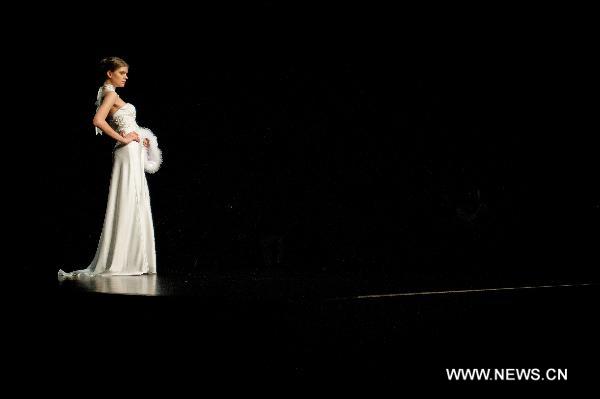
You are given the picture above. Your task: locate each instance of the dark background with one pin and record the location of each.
(425, 144)
(312, 151)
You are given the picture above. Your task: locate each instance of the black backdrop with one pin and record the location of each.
(311, 138)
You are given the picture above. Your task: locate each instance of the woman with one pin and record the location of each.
(126, 245)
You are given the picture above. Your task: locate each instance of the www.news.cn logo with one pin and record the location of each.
(506, 374)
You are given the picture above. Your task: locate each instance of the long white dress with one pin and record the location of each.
(126, 245)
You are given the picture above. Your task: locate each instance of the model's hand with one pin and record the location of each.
(146, 143)
(133, 136)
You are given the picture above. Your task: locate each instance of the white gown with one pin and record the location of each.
(126, 245)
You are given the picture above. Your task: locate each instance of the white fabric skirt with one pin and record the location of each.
(126, 245)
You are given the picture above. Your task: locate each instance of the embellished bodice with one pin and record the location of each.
(123, 121)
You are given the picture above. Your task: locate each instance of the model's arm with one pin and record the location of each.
(100, 119)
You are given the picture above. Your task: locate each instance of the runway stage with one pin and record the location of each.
(301, 326)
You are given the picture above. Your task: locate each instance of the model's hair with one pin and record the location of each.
(111, 64)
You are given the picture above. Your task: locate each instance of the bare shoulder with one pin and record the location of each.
(110, 98)
(110, 94)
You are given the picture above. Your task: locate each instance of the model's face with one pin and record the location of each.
(118, 77)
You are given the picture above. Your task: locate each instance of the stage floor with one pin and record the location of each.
(303, 326)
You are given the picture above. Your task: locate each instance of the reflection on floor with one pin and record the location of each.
(128, 285)
(160, 285)
(302, 326)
